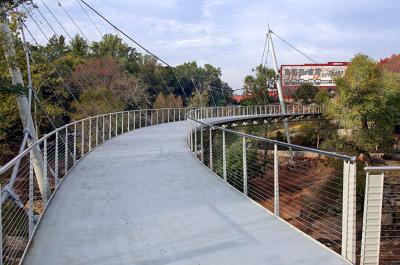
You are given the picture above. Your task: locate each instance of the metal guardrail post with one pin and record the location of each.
(276, 180)
(201, 144)
(371, 232)
(30, 196)
(349, 211)
(244, 167)
(103, 128)
(224, 156)
(151, 117)
(74, 158)
(168, 115)
(46, 184)
(122, 121)
(56, 161)
(211, 150)
(116, 124)
(145, 118)
(97, 131)
(195, 140)
(66, 150)
(129, 121)
(109, 128)
(90, 134)
(83, 138)
(134, 120)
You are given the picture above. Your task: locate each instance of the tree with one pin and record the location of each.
(199, 99)
(256, 87)
(105, 73)
(391, 64)
(167, 101)
(79, 46)
(306, 93)
(367, 106)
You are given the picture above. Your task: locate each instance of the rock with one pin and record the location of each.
(387, 219)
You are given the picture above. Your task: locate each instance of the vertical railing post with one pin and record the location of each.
(134, 120)
(145, 118)
(66, 151)
(201, 144)
(224, 156)
(140, 118)
(90, 134)
(211, 150)
(244, 167)
(276, 181)
(122, 121)
(195, 140)
(97, 130)
(349, 211)
(168, 115)
(109, 129)
(30, 198)
(372, 220)
(74, 158)
(46, 184)
(103, 128)
(129, 120)
(151, 117)
(56, 161)
(179, 114)
(116, 124)
(174, 115)
(83, 138)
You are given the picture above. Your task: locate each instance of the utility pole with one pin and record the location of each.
(24, 107)
(279, 86)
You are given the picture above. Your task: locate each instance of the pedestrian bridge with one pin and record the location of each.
(170, 186)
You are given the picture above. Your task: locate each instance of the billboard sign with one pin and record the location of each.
(320, 75)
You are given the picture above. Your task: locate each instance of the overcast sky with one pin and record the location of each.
(231, 34)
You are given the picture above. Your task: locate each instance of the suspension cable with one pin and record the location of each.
(138, 44)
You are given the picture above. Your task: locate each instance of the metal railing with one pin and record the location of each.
(381, 221)
(23, 200)
(311, 189)
(23, 203)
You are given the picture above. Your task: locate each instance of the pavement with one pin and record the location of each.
(143, 198)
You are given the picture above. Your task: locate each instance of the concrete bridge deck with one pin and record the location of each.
(143, 198)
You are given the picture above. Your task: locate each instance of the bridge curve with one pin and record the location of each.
(142, 198)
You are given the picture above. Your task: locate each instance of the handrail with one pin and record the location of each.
(271, 177)
(304, 148)
(382, 168)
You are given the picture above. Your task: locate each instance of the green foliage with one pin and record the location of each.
(306, 93)
(256, 86)
(74, 79)
(167, 101)
(199, 99)
(234, 160)
(367, 106)
(322, 97)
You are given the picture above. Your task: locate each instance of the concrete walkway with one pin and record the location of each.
(142, 198)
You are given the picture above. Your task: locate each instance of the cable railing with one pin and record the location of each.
(311, 189)
(29, 180)
(381, 221)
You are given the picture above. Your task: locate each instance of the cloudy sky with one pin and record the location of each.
(231, 34)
